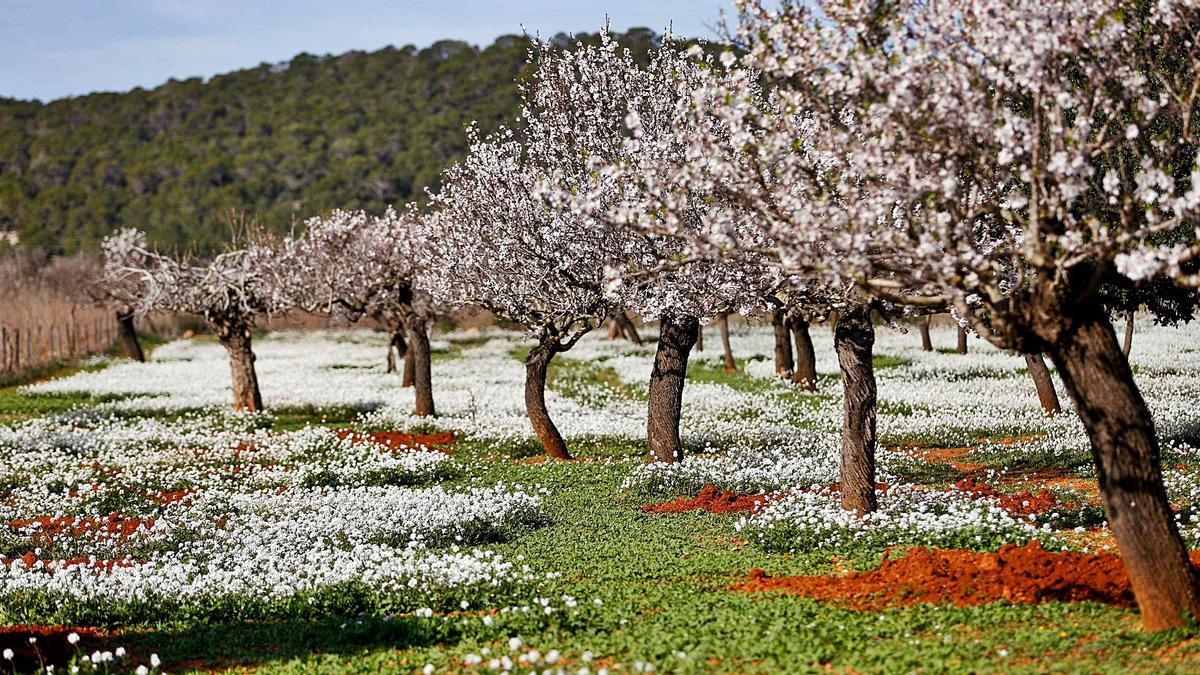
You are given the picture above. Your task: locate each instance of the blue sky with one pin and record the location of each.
(55, 48)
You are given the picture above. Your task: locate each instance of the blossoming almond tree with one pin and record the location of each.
(365, 265)
(230, 291)
(495, 243)
(1007, 159)
(597, 105)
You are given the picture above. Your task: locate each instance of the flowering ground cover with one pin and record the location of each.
(338, 532)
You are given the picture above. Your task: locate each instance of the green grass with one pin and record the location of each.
(663, 582)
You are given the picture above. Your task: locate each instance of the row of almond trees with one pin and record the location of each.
(1008, 162)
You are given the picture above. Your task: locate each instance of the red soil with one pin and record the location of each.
(1020, 504)
(1020, 574)
(712, 500)
(170, 496)
(51, 645)
(397, 440)
(115, 525)
(31, 558)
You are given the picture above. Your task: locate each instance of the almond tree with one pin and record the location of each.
(495, 243)
(1007, 159)
(366, 265)
(230, 291)
(596, 105)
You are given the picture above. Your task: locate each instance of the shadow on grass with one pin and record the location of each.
(229, 645)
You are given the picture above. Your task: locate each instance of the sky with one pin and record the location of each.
(57, 48)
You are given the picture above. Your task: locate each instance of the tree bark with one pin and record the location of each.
(783, 344)
(962, 341)
(235, 337)
(923, 328)
(628, 329)
(699, 337)
(677, 335)
(614, 329)
(397, 346)
(854, 339)
(418, 354)
(1126, 453)
(410, 367)
(1127, 346)
(1043, 383)
(129, 337)
(805, 374)
(723, 325)
(536, 366)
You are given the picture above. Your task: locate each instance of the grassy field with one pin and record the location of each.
(595, 584)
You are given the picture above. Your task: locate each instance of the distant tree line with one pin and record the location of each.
(279, 142)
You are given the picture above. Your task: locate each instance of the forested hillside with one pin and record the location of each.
(279, 142)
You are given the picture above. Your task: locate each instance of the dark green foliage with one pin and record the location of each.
(279, 142)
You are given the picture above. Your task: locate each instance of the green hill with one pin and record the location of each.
(280, 142)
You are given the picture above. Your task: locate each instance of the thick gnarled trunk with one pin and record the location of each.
(805, 374)
(854, 339)
(677, 336)
(1043, 383)
(726, 347)
(536, 366)
(418, 354)
(783, 344)
(1125, 449)
(234, 336)
(129, 337)
(923, 329)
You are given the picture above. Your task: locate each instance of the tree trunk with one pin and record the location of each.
(1125, 449)
(410, 367)
(418, 354)
(806, 356)
(628, 329)
(962, 341)
(1128, 344)
(129, 337)
(235, 338)
(677, 335)
(923, 328)
(1043, 383)
(854, 339)
(723, 325)
(536, 366)
(783, 344)
(396, 347)
(614, 329)
(699, 337)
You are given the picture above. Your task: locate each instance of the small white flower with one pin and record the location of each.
(73, 638)
(155, 661)
(142, 670)
(8, 654)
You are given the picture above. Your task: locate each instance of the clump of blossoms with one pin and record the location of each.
(143, 519)
(908, 516)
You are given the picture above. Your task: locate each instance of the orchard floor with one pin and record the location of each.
(591, 579)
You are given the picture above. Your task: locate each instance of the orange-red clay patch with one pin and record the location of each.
(1021, 574)
(31, 558)
(397, 440)
(1020, 504)
(51, 647)
(712, 500)
(115, 525)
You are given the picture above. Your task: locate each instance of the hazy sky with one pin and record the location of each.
(55, 48)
